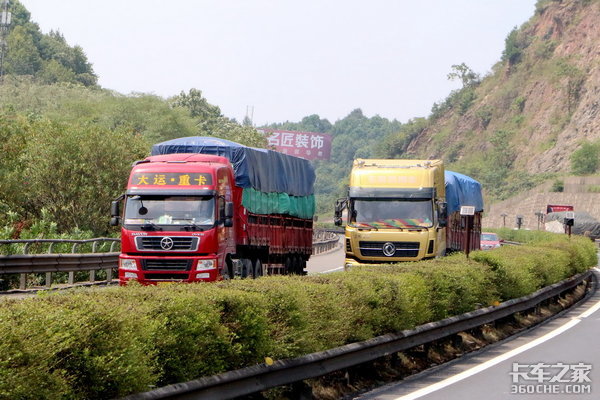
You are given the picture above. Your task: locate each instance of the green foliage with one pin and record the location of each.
(585, 160)
(465, 74)
(84, 140)
(47, 58)
(545, 49)
(558, 186)
(518, 104)
(484, 114)
(515, 43)
(593, 188)
(113, 342)
(72, 171)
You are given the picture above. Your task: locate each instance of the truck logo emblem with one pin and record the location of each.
(166, 243)
(389, 249)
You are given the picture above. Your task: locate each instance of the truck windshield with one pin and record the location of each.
(392, 213)
(170, 210)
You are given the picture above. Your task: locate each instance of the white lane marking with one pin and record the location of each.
(490, 363)
(331, 270)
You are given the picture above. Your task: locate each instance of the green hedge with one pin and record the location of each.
(108, 343)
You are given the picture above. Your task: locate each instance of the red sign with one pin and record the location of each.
(556, 208)
(308, 145)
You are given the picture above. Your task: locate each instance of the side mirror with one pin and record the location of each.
(340, 205)
(114, 208)
(228, 222)
(228, 211)
(115, 221)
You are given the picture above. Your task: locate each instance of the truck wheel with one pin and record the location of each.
(295, 267)
(258, 268)
(289, 265)
(246, 268)
(302, 266)
(228, 271)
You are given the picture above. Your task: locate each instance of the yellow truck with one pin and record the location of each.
(397, 211)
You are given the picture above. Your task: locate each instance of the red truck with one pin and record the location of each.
(204, 209)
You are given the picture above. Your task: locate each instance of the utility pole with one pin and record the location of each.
(249, 115)
(5, 17)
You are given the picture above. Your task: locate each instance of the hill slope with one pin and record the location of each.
(523, 122)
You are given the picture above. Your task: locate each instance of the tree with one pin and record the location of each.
(197, 105)
(22, 57)
(514, 45)
(465, 74)
(74, 171)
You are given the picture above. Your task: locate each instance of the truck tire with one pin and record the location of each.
(246, 268)
(296, 265)
(228, 271)
(289, 265)
(258, 268)
(302, 266)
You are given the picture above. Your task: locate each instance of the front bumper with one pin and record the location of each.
(150, 270)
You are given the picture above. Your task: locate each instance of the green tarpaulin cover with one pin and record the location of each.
(278, 203)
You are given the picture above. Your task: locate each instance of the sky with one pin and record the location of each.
(282, 60)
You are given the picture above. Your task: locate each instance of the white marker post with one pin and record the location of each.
(469, 212)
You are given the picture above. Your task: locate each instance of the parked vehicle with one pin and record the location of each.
(407, 210)
(489, 240)
(203, 209)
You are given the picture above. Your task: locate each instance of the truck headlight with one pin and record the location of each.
(204, 265)
(128, 264)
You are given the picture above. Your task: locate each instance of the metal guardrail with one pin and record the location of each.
(262, 377)
(324, 240)
(49, 263)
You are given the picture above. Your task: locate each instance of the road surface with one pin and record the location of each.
(327, 262)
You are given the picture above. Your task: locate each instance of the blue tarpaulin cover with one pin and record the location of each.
(264, 170)
(462, 190)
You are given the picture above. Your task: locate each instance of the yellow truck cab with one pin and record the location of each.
(396, 211)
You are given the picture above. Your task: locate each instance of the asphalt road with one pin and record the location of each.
(326, 262)
(551, 361)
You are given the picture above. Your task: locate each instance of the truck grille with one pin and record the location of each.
(163, 243)
(403, 249)
(166, 265)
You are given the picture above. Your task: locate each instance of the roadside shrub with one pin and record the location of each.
(108, 343)
(512, 279)
(386, 302)
(189, 339)
(79, 346)
(457, 285)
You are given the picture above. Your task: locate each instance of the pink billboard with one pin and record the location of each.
(308, 145)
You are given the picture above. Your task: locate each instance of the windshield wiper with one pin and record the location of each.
(150, 226)
(365, 226)
(192, 227)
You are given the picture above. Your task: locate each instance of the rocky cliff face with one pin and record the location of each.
(536, 107)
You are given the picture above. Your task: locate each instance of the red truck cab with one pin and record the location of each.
(177, 223)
